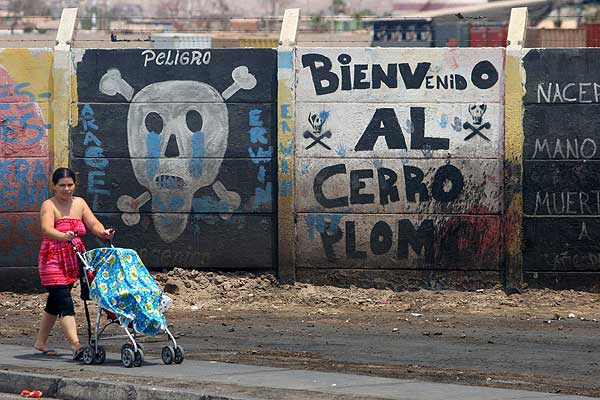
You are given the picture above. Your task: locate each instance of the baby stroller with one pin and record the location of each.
(123, 289)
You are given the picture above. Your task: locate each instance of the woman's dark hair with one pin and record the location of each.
(60, 173)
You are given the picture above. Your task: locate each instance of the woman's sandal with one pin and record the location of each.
(48, 352)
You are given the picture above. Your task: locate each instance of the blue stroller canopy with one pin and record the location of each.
(124, 286)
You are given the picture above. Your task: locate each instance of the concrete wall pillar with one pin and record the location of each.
(285, 144)
(513, 151)
(61, 104)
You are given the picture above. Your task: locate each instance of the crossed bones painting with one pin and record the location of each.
(177, 133)
(478, 126)
(325, 129)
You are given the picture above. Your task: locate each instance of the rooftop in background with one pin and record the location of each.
(494, 11)
(254, 8)
(314, 30)
(414, 6)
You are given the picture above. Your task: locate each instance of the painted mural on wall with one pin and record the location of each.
(399, 158)
(25, 92)
(176, 148)
(561, 166)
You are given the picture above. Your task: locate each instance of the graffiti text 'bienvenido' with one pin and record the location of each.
(371, 76)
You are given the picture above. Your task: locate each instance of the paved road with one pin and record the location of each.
(222, 381)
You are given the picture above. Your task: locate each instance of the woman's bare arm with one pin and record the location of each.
(92, 223)
(47, 224)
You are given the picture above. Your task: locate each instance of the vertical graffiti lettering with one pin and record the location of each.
(94, 157)
(286, 186)
(260, 157)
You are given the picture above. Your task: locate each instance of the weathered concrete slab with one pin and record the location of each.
(396, 143)
(25, 94)
(176, 69)
(250, 126)
(561, 244)
(235, 242)
(23, 184)
(561, 184)
(427, 130)
(557, 76)
(355, 241)
(177, 147)
(105, 188)
(400, 75)
(566, 188)
(399, 186)
(26, 75)
(25, 128)
(24, 279)
(561, 132)
(589, 281)
(401, 279)
(20, 238)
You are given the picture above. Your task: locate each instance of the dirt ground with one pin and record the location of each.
(540, 340)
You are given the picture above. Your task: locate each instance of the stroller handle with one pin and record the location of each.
(73, 244)
(113, 231)
(74, 247)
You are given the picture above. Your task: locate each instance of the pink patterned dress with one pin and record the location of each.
(57, 263)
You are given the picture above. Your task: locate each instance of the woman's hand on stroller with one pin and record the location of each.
(108, 234)
(68, 236)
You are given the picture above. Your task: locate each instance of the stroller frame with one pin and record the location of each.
(132, 353)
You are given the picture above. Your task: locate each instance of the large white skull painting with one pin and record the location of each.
(177, 137)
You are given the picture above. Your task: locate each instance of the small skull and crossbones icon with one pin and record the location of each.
(317, 121)
(477, 111)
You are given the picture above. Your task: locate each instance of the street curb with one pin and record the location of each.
(85, 389)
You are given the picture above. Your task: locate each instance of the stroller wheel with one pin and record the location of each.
(179, 354)
(167, 354)
(88, 355)
(100, 356)
(139, 358)
(127, 357)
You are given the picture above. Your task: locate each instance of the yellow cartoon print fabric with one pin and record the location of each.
(124, 286)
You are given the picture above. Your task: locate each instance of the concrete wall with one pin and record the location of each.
(25, 95)
(561, 167)
(399, 166)
(390, 167)
(175, 150)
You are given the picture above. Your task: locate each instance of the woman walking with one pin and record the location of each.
(64, 218)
